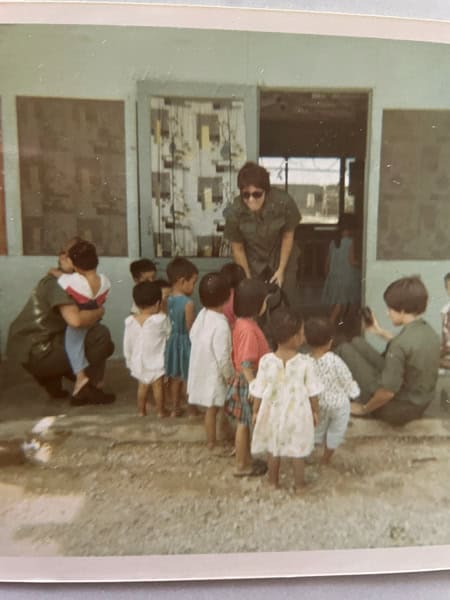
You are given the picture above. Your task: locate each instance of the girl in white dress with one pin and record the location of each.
(286, 402)
(144, 344)
(210, 365)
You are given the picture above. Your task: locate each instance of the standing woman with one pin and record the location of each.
(260, 226)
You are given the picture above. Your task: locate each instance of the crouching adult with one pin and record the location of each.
(398, 385)
(36, 338)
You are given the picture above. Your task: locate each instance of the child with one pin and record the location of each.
(142, 269)
(182, 275)
(343, 281)
(144, 344)
(210, 365)
(234, 274)
(249, 345)
(398, 386)
(165, 288)
(339, 386)
(89, 290)
(286, 401)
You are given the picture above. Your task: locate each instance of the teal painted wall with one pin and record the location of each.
(106, 62)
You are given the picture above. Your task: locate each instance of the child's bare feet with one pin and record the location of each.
(162, 414)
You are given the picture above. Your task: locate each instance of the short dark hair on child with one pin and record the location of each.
(249, 298)
(142, 265)
(146, 293)
(162, 283)
(407, 294)
(83, 255)
(214, 290)
(284, 324)
(447, 278)
(233, 273)
(318, 331)
(180, 268)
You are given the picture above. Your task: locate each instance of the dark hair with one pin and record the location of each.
(318, 331)
(162, 283)
(146, 293)
(180, 268)
(249, 298)
(142, 265)
(446, 278)
(253, 174)
(83, 255)
(347, 221)
(214, 290)
(408, 294)
(284, 324)
(233, 273)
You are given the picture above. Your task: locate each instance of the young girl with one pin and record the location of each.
(249, 345)
(210, 366)
(182, 275)
(343, 282)
(339, 386)
(286, 401)
(144, 344)
(234, 274)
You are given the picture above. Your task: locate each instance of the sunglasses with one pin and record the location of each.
(256, 195)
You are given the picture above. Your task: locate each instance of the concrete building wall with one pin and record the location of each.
(106, 63)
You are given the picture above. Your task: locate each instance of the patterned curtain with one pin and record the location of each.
(197, 148)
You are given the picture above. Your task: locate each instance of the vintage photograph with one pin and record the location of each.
(224, 287)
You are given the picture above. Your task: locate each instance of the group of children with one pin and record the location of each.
(222, 361)
(282, 401)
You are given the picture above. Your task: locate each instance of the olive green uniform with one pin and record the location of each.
(409, 369)
(261, 235)
(36, 336)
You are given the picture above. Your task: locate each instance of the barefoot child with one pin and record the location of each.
(339, 386)
(182, 275)
(144, 344)
(210, 365)
(286, 402)
(89, 289)
(249, 346)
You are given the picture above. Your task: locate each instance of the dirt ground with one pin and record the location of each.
(111, 495)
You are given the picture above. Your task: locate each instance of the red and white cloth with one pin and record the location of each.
(78, 288)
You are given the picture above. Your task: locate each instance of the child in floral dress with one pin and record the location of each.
(286, 403)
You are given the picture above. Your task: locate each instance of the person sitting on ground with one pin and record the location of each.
(89, 290)
(286, 403)
(234, 274)
(36, 336)
(398, 386)
(339, 387)
(144, 344)
(142, 269)
(210, 365)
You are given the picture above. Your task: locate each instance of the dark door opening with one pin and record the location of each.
(314, 146)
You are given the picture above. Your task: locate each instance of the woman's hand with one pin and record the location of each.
(278, 278)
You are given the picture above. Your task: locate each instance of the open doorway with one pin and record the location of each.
(313, 143)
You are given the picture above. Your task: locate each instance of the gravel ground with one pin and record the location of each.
(98, 498)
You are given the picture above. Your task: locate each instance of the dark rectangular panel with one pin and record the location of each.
(72, 173)
(414, 197)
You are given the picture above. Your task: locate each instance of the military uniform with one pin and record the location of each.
(261, 234)
(409, 369)
(36, 337)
